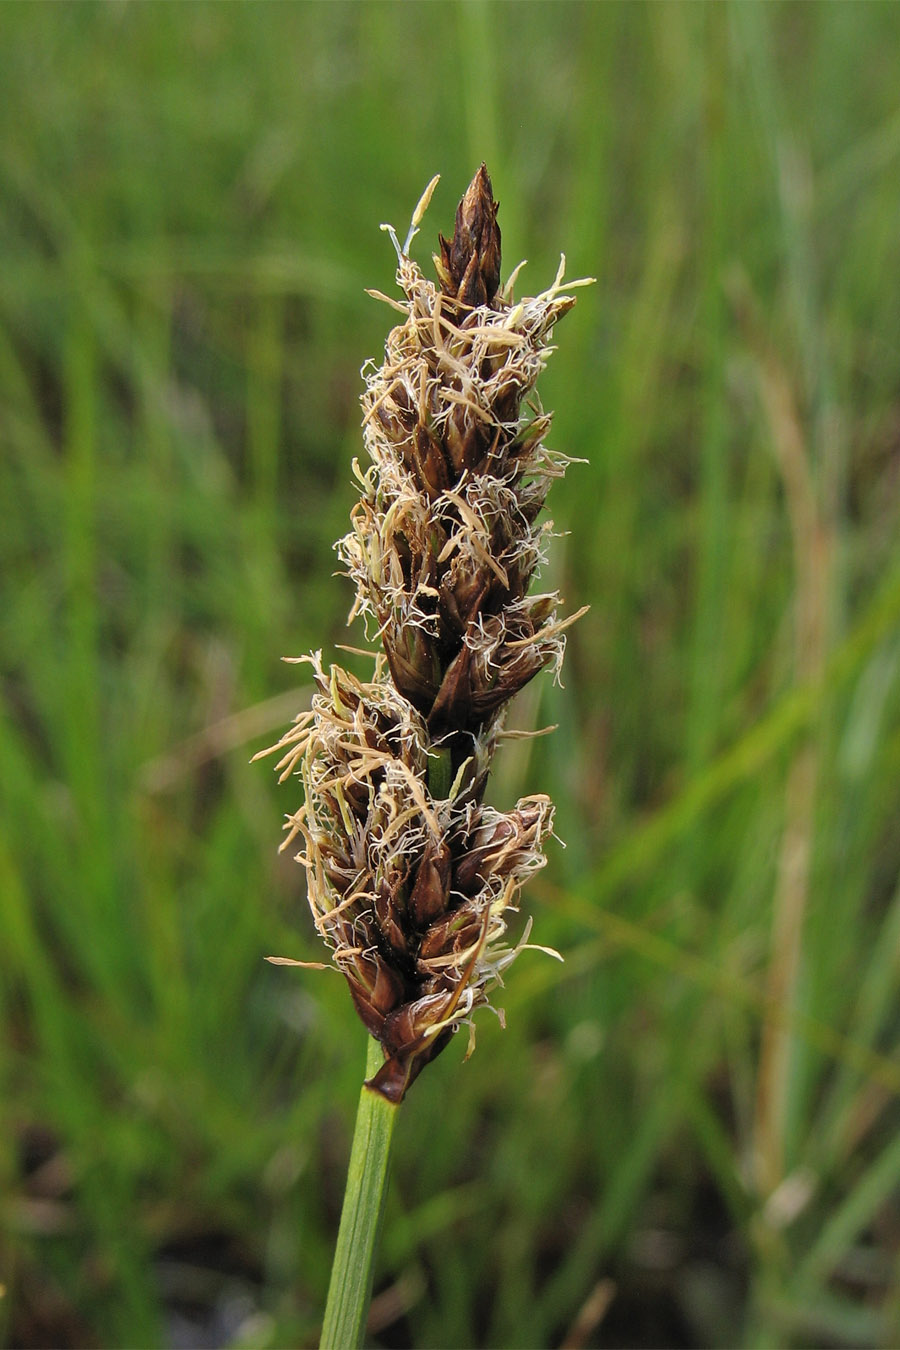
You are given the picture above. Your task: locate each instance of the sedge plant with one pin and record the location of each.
(411, 875)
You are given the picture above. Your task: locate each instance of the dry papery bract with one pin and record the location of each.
(410, 874)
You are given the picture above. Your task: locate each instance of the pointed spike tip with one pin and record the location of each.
(470, 262)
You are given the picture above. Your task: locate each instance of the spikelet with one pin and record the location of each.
(410, 874)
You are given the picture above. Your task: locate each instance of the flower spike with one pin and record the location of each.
(410, 875)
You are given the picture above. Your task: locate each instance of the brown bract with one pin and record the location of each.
(410, 875)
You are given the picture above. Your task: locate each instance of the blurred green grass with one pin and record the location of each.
(700, 1106)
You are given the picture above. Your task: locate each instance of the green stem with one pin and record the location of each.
(350, 1290)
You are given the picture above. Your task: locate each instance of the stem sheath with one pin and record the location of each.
(440, 774)
(350, 1290)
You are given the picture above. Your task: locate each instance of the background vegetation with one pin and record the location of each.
(688, 1133)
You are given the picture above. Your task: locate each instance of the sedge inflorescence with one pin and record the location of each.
(410, 873)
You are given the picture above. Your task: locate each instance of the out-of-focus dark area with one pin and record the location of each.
(688, 1133)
